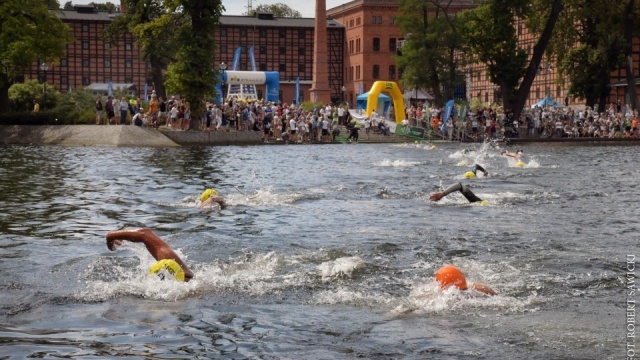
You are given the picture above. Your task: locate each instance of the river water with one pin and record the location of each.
(325, 252)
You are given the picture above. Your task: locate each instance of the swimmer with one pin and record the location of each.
(468, 194)
(515, 155)
(160, 250)
(210, 196)
(450, 275)
(474, 173)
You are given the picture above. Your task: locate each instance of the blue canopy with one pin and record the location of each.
(547, 101)
(383, 102)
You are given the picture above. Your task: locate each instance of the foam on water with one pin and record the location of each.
(397, 163)
(341, 267)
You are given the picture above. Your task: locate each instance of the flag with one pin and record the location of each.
(236, 58)
(109, 89)
(315, 96)
(253, 59)
(146, 88)
(359, 88)
(297, 90)
(447, 113)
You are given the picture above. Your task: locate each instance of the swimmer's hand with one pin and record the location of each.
(113, 244)
(436, 196)
(484, 289)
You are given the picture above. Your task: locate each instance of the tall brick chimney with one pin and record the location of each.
(320, 90)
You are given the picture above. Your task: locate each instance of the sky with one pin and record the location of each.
(237, 7)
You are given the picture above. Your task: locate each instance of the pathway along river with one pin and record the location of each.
(326, 252)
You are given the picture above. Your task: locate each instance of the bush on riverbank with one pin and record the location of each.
(70, 108)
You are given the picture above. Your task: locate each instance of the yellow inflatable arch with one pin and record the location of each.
(393, 90)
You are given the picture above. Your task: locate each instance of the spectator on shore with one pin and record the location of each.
(98, 110)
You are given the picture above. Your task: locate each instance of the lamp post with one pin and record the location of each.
(344, 88)
(44, 67)
(223, 67)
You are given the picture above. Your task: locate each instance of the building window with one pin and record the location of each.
(128, 80)
(392, 20)
(263, 49)
(302, 33)
(85, 27)
(358, 48)
(282, 33)
(263, 33)
(376, 71)
(64, 80)
(223, 32)
(85, 44)
(85, 62)
(351, 23)
(376, 44)
(357, 72)
(223, 49)
(243, 32)
(358, 21)
(374, 20)
(302, 51)
(243, 66)
(392, 72)
(379, 19)
(301, 68)
(128, 63)
(107, 46)
(393, 45)
(519, 28)
(282, 67)
(282, 50)
(262, 67)
(63, 62)
(107, 63)
(350, 46)
(106, 80)
(85, 81)
(128, 46)
(351, 73)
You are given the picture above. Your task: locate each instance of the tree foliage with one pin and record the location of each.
(279, 10)
(22, 95)
(29, 32)
(490, 32)
(589, 44)
(152, 26)
(193, 74)
(432, 55)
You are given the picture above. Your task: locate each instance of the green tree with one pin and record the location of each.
(22, 95)
(29, 32)
(108, 6)
(151, 25)
(490, 32)
(431, 56)
(279, 10)
(193, 74)
(590, 43)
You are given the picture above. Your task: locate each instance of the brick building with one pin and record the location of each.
(90, 59)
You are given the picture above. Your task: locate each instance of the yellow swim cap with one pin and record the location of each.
(207, 194)
(484, 202)
(469, 175)
(520, 164)
(167, 269)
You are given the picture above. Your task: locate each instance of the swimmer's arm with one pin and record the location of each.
(483, 288)
(155, 245)
(439, 195)
(211, 199)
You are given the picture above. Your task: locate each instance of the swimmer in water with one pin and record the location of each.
(515, 155)
(210, 196)
(450, 275)
(474, 172)
(168, 260)
(468, 194)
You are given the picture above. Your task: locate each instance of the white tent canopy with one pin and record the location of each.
(416, 94)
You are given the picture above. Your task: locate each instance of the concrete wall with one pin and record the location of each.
(211, 138)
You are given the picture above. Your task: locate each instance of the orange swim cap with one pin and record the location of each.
(449, 275)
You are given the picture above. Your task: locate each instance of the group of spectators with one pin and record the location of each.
(175, 114)
(540, 122)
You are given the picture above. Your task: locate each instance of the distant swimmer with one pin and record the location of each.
(210, 196)
(516, 155)
(474, 173)
(450, 275)
(468, 194)
(168, 265)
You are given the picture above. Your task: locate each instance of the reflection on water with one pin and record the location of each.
(325, 252)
